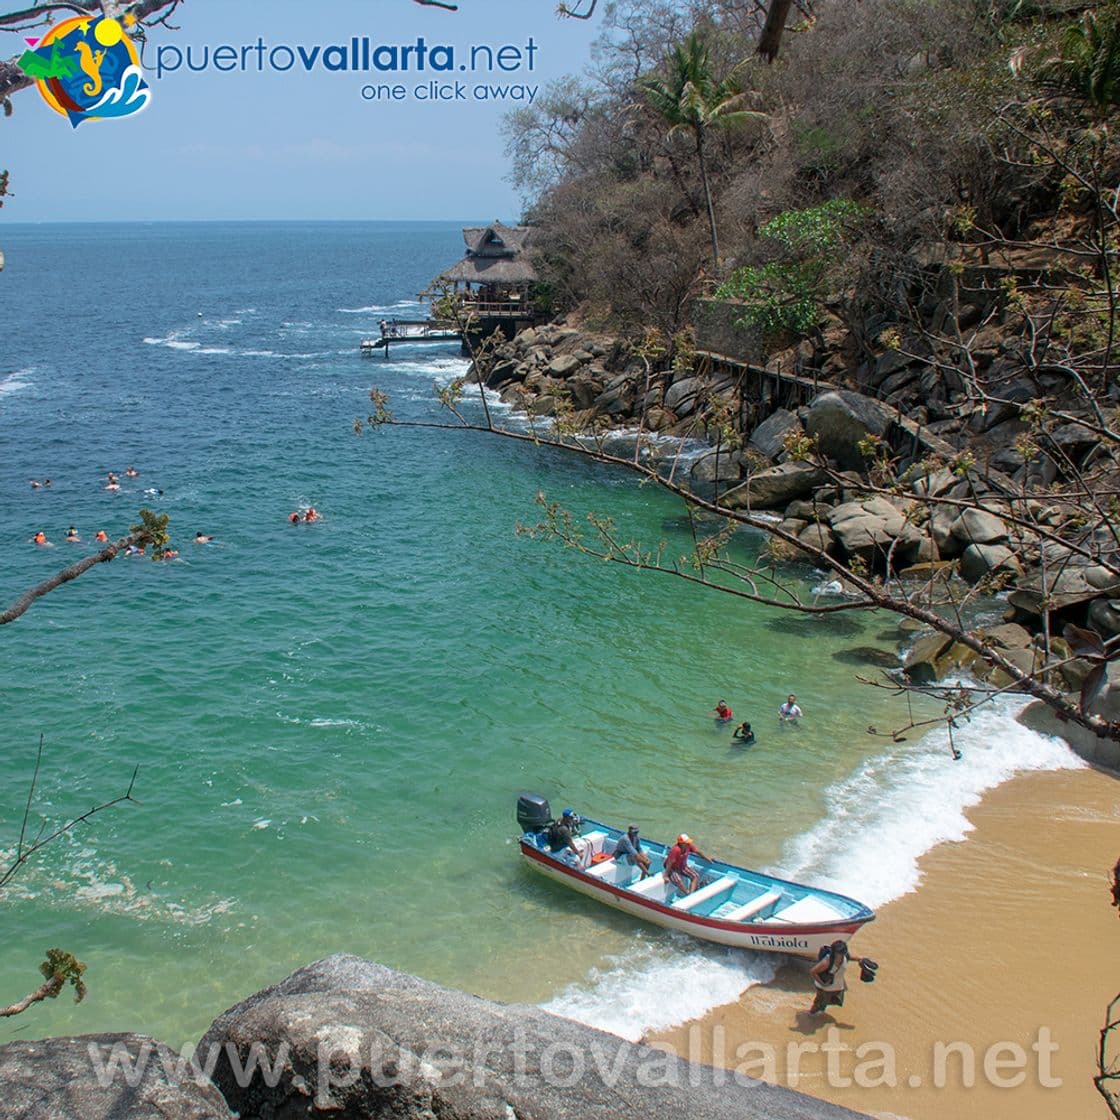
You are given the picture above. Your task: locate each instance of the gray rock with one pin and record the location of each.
(711, 467)
(363, 1041)
(1066, 589)
(818, 535)
(868, 529)
(1008, 636)
(58, 1079)
(841, 419)
(920, 664)
(563, 365)
(584, 391)
(974, 526)
(526, 339)
(1104, 617)
(979, 560)
(681, 396)
(769, 437)
(776, 487)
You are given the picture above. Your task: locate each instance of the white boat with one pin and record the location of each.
(730, 905)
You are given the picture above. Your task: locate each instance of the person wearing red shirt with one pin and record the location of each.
(677, 871)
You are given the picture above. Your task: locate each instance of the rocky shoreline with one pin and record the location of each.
(353, 1040)
(918, 521)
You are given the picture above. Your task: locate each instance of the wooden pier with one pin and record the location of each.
(411, 330)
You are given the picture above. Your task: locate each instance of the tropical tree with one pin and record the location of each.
(690, 99)
(1088, 62)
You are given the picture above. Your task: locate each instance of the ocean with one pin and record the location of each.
(332, 722)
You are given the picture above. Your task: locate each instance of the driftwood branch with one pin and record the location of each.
(59, 578)
(47, 990)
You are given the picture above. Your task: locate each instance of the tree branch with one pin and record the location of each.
(106, 554)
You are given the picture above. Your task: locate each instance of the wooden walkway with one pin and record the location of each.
(411, 330)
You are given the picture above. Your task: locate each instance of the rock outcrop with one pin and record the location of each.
(349, 1039)
(104, 1077)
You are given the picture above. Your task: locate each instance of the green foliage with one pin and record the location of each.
(3, 186)
(690, 97)
(784, 296)
(64, 968)
(153, 528)
(1088, 62)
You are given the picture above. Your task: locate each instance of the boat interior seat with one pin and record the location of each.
(656, 887)
(704, 894)
(807, 909)
(618, 873)
(749, 909)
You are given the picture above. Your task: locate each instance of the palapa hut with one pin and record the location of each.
(495, 278)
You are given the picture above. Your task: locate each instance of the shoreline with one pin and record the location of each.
(1004, 961)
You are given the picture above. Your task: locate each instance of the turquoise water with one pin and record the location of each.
(332, 722)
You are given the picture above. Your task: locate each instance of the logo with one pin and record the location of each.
(87, 68)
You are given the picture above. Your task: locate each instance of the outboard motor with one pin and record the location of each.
(533, 812)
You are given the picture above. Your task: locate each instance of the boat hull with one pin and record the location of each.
(803, 940)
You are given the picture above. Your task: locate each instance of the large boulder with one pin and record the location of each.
(840, 420)
(769, 437)
(775, 488)
(564, 365)
(920, 663)
(1071, 586)
(1106, 704)
(980, 560)
(683, 395)
(716, 467)
(870, 527)
(350, 1040)
(977, 526)
(104, 1077)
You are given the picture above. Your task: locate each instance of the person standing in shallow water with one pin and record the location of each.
(789, 710)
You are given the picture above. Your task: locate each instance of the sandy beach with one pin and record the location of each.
(994, 975)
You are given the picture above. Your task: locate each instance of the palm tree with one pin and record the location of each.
(1089, 63)
(689, 98)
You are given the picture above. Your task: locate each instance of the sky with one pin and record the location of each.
(300, 144)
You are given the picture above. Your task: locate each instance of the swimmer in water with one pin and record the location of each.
(132, 472)
(312, 514)
(201, 538)
(723, 712)
(101, 535)
(72, 535)
(293, 518)
(40, 538)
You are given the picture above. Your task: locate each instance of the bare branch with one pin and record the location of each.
(106, 554)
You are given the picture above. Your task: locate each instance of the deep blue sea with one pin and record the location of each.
(332, 721)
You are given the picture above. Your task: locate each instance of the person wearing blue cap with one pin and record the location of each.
(562, 834)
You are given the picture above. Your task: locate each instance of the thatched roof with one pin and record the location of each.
(495, 255)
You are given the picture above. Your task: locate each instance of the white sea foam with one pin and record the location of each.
(16, 380)
(880, 820)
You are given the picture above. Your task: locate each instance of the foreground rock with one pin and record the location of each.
(103, 1077)
(350, 1039)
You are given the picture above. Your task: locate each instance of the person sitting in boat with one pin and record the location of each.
(677, 871)
(789, 710)
(629, 848)
(723, 712)
(563, 836)
(743, 733)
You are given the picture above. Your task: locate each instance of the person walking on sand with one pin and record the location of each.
(789, 711)
(828, 975)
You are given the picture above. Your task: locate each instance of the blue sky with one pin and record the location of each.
(295, 145)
